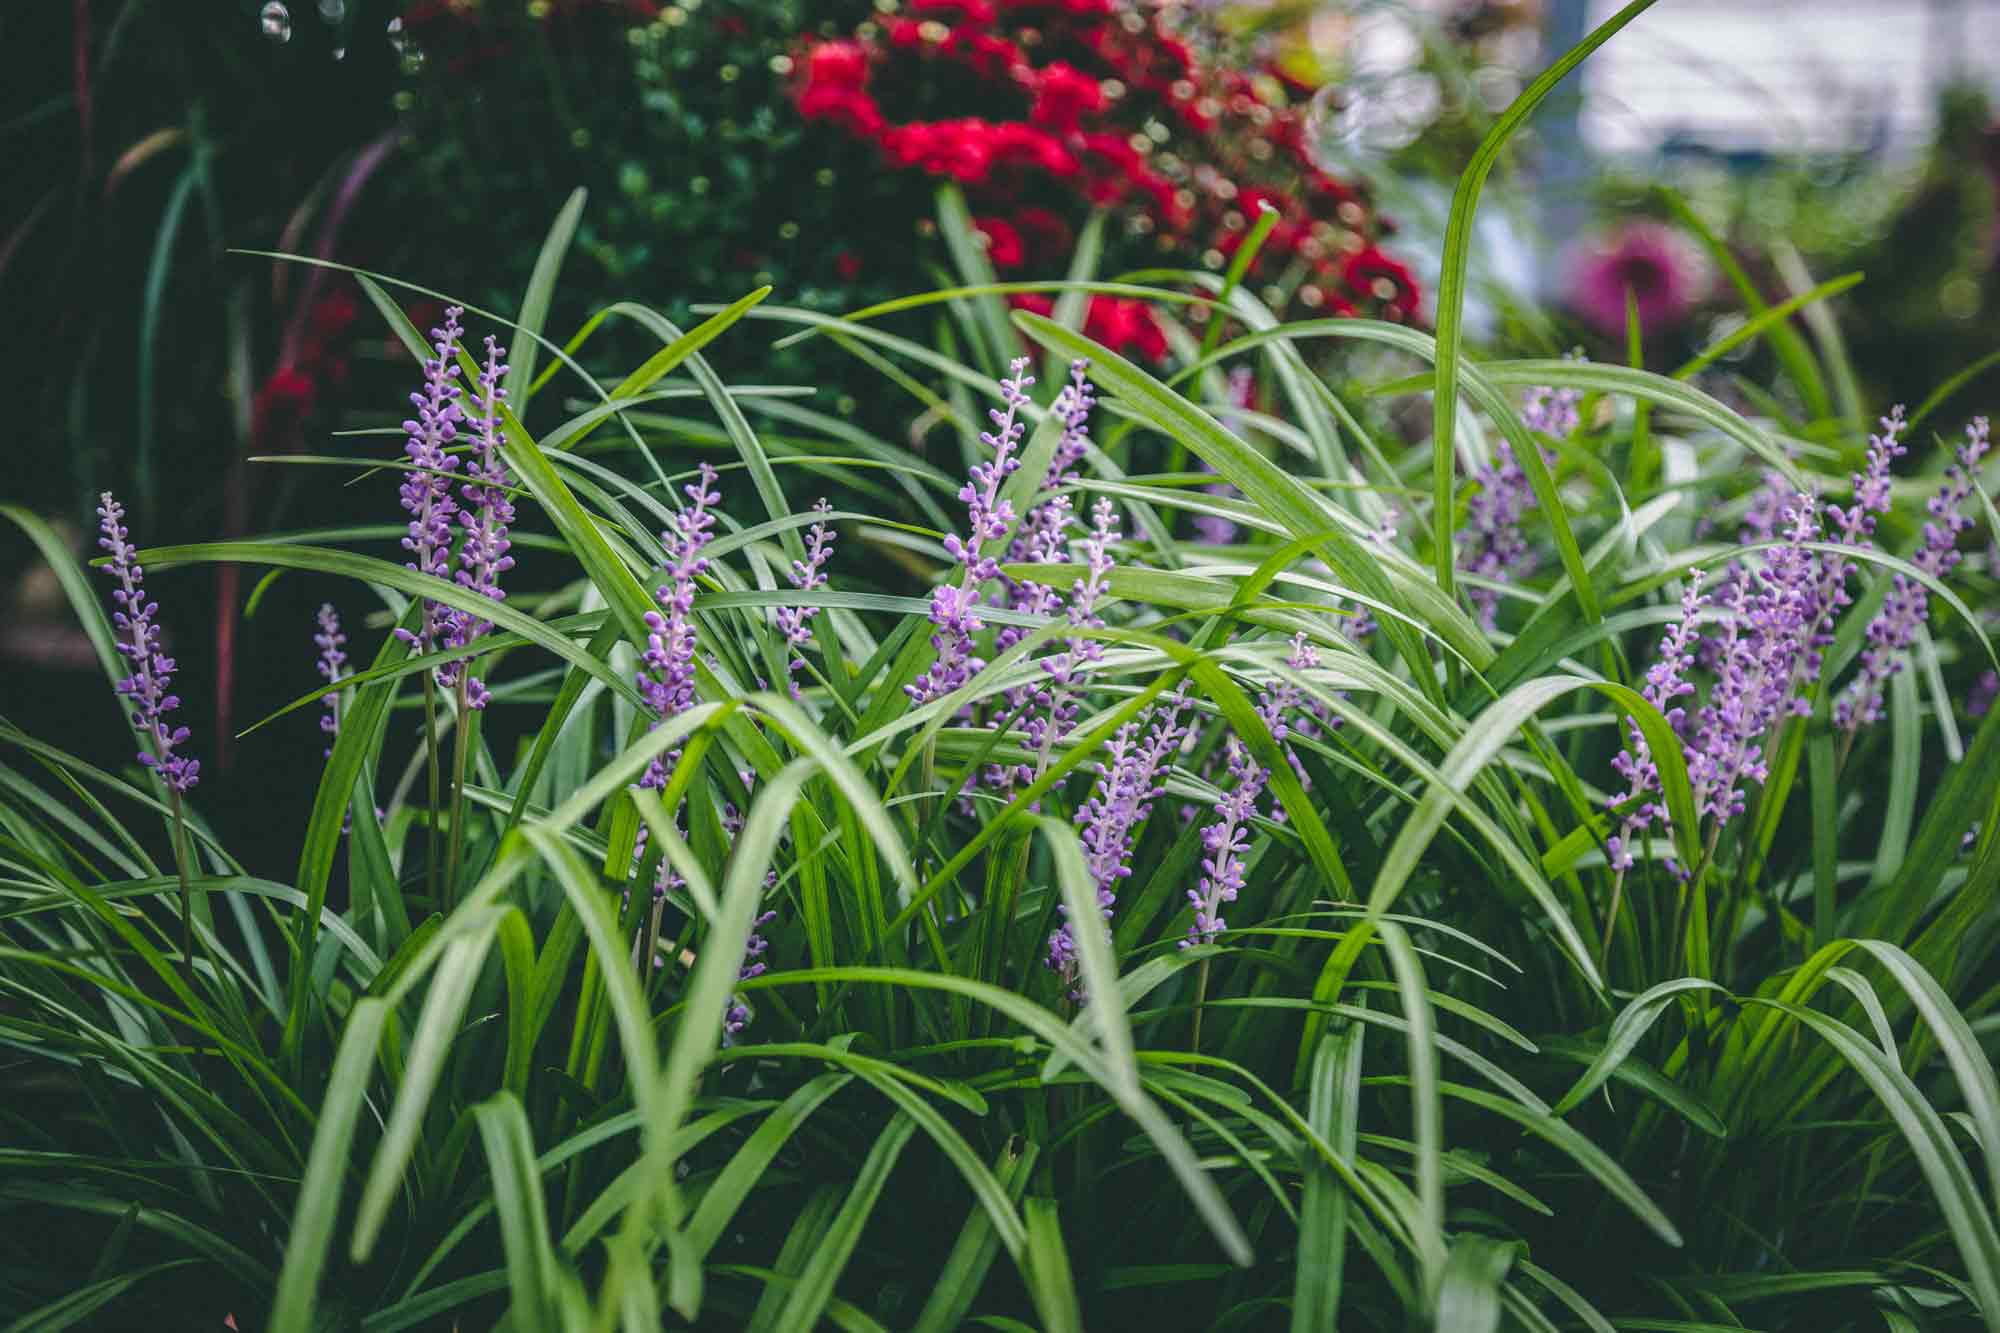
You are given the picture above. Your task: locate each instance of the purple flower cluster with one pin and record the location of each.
(955, 606)
(330, 640)
(737, 1015)
(1225, 841)
(1496, 548)
(666, 675)
(1908, 605)
(1132, 778)
(486, 517)
(139, 642)
(427, 489)
(1286, 710)
(795, 622)
(1666, 681)
(1766, 631)
(1551, 411)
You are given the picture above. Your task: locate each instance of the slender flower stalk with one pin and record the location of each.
(1287, 711)
(737, 1015)
(1666, 681)
(332, 662)
(666, 674)
(149, 691)
(1853, 526)
(487, 516)
(148, 688)
(1226, 840)
(795, 622)
(1496, 547)
(1907, 607)
(1134, 775)
(1767, 628)
(427, 490)
(955, 606)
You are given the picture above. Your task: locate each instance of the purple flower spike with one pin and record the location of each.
(1287, 712)
(1769, 622)
(152, 670)
(1133, 777)
(486, 518)
(426, 493)
(331, 660)
(1550, 411)
(795, 622)
(736, 1016)
(1225, 840)
(666, 678)
(1495, 546)
(1065, 671)
(1666, 681)
(1908, 605)
(955, 608)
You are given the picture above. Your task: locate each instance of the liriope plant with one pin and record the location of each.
(1053, 887)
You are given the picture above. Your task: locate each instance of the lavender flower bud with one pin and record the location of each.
(139, 642)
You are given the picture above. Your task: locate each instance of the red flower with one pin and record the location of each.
(956, 148)
(848, 265)
(1064, 95)
(1023, 145)
(984, 54)
(852, 110)
(1038, 302)
(1120, 324)
(1044, 234)
(973, 11)
(332, 314)
(1364, 269)
(837, 65)
(283, 403)
(1003, 243)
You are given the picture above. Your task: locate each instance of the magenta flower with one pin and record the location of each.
(1650, 260)
(147, 688)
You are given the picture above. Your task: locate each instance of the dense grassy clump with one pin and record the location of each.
(1477, 1042)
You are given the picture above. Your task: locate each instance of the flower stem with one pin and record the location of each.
(1200, 999)
(461, 743)
(1611, 922)
(431, 823)
(187, 892)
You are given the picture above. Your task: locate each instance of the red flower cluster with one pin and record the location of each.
(1114, 111)
(287, 396)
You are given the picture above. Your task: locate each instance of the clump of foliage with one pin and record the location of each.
(794, 130)
(936, 906)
